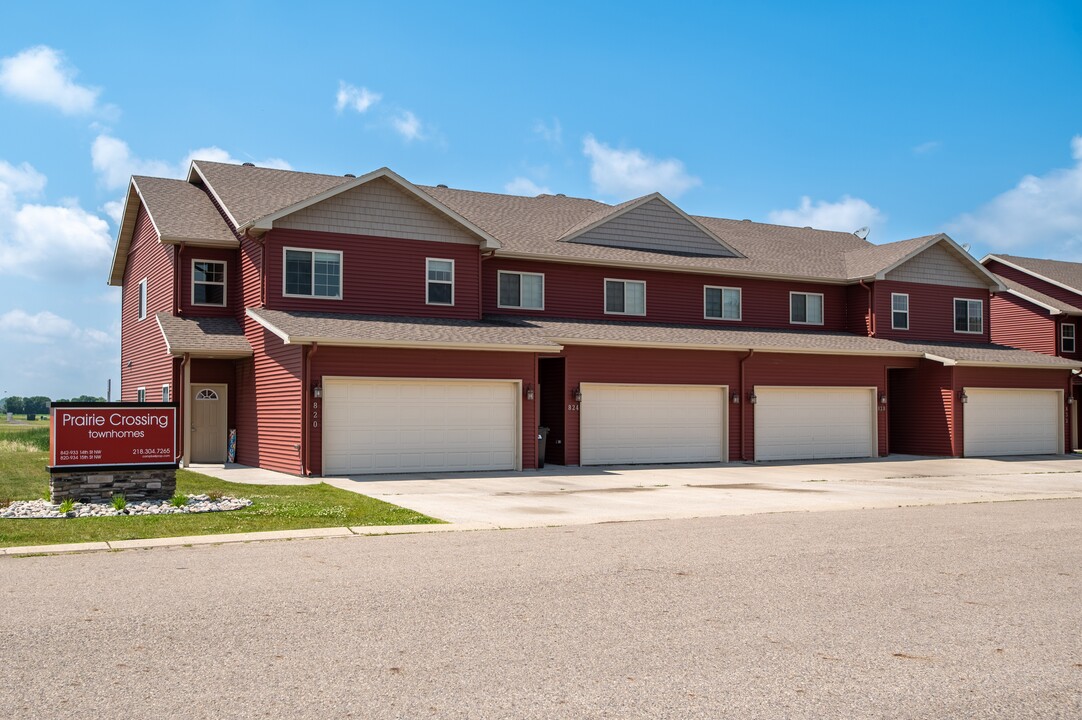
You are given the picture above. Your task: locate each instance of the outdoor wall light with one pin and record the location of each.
(882, 398)
(963, 397)
(752, 398)
(317, 391)
(1070, 400)
(529, 392)
(577, 395)
(735, 398)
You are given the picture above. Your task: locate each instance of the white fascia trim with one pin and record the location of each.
(1017, 366)
(940, 359)
(267, 221)
(168, 347)
(421, 345)
(739, 347)
(639, 203)
(994, 282)
(204, 353)
(1008, 263)
(1038, 303)
(630, 264)
(200, 242)
(268, 325)
(193, 172)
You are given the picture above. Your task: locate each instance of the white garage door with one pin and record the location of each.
(1012, 422)
(392, 426)
(796, 423)
(627, 424)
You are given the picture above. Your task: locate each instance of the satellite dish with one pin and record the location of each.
(966, 246)
(862, 233)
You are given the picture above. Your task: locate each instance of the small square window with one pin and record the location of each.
(721, 303)
(899, 311)
(440, 282)
(208, 283)
(806, 308)
(1067, 338)
(521, 290)
(625, 297)
(968, 316)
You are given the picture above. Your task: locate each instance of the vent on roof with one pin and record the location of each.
(441, 185)
(560, 195)
(349, 175)
(248, 164)
(745, 220)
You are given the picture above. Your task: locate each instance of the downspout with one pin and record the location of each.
(743, 403)
(871, 309)
(306, 392)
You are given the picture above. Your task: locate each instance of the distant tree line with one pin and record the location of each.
(38, 404)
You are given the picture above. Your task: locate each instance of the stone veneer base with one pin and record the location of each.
(134, 485)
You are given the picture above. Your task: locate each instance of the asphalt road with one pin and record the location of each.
(943, 612)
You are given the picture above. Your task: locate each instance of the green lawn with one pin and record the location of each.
(23, 477)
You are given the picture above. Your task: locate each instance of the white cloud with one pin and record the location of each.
(114, 209)
(39, 240)
(927, 147)
(56, 356)
(115, 163)
(525, 186)
(1039, 212)
(39, 74)
(630, 173)
(355, 98)
(408, 126)
(552, 134)
(846, 215)
(42, 327)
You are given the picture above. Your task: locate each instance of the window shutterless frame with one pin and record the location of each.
(899, 311)
(437, 277)
(209, 283)
(141, 394)
(807, 296)
(972, 310)
(624, 296)
(311, 272)
(142, 299)
(508, 275)
(1067, 338)
(722, 291)
(165, 393)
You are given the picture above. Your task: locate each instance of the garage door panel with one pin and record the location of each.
(796, 423)
(628, 424)
(1001, 421)
(384, 426)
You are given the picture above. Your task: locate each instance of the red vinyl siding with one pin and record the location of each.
(394, 363)
(1067, 296)
(1021, 324)
(931, 312)
(141, 341)
(232, 286)
(380, 276)
(578, 291)
(1077, 322)
(268, 390)
(978, 377)
(250, 259)
(858, 319)
(920, 406)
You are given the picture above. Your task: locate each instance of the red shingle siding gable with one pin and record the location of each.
(380, 276)
(1023, 325)
(578, 291)
(931, 312)
(141, 341)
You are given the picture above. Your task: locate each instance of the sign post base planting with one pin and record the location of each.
(98, 450)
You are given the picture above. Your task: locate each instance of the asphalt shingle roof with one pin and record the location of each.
(1061, 271)
(1039, 296)
(181, 211)
(203, 336)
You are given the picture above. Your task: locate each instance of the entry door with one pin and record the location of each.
(209, 433)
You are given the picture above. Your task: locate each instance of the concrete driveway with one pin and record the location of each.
(576, 496)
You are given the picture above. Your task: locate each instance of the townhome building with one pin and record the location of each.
(365, 324)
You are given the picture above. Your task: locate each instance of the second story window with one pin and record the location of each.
(721, 303)
(522, 290)
(899, 311)
(440, 282)
(313, 273)
(208, 283)
(625, 297)
(1066, 338)
(806, 308)
(142, 306)
(968, 316)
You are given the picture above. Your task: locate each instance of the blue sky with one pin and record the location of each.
(911, 118)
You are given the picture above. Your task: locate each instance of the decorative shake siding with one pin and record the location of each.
(141, 341)
(269, 403)
(1023, 325)
(654, 226)
(931, 312)
(379, 208)
(938, 266)
(578, 291)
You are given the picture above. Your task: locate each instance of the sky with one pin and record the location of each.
(909, 118)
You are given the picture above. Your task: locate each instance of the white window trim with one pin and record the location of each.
(723, 288)
(140, 394)
(141, 300)
(953, 316)
(1073, 338)
(312, 295)
(165, 393)
(520, 306)
(892, 311)
(822, 306)
(224, 283)
(440, 282)
(605, 296)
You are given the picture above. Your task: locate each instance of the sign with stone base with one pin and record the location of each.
(98, 450)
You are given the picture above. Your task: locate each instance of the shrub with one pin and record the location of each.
(214, 495)
(119, 502)
(178, 500)
(67, 506)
